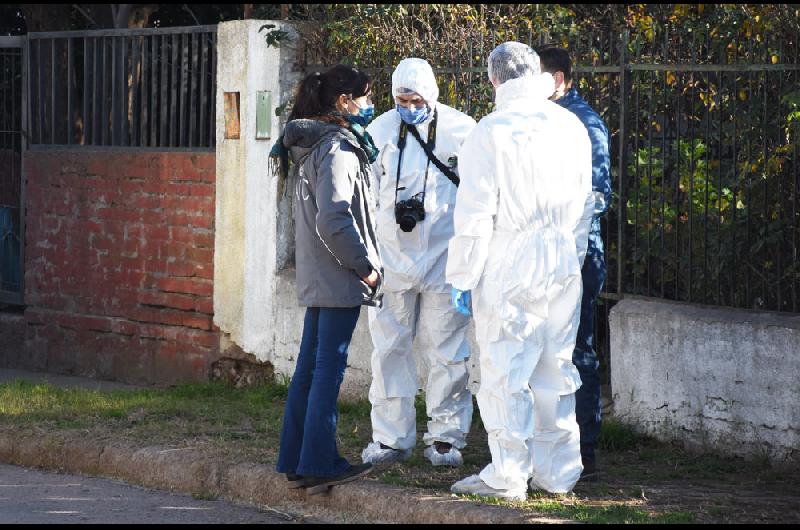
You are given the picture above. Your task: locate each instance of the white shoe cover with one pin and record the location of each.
(374, 454)
(451, 458)
(473, 485)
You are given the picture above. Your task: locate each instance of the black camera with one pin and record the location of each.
(409, 212)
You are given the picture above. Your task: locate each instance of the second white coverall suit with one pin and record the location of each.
(521, 225)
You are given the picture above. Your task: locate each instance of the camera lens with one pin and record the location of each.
(407, 223)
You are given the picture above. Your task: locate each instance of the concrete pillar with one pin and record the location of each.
(246, 198)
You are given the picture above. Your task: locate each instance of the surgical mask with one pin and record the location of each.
(415, 116)
(363, 117)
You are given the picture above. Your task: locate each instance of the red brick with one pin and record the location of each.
(145, 202)
(203, 190)
(126, 215)
(141, 170)
(181, 269)
(172, 318)
(194, 320)
(124, 327)
(129, 188)
(153, 187)
(174, 249)
(67, 320)
(177, 190)
(34, 316)
(182, 302)
(169, 349)
(181, 233)
(158, 332)
(153, 231)
(205, 271)
(207, 163)
(198, 338)
(198, 287)
(201, 255)
(204, 305)
(202, 221)
(151, 298)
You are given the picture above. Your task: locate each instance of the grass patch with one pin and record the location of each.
(618, 436)
(564, 507)
(243, 425)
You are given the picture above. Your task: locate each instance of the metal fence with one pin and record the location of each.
(12, 82)
(708, 194)
(704, 140)
(144, 88)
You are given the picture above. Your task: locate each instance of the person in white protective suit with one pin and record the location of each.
(416, 194)
(521, 222)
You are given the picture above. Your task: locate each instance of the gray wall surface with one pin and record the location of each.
(727, 380)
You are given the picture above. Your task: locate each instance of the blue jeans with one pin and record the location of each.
(308, 437)
(587, 398)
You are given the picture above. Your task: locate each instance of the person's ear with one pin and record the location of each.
(342, 102)
(558, 77)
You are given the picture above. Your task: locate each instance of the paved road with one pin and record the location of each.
(36, 497)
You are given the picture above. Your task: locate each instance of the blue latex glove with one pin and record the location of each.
(462, 301)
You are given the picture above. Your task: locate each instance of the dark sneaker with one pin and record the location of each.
(589, 473)
(315, 485)
(295, 481)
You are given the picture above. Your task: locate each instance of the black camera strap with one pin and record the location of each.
(401, 144)
(428, 148)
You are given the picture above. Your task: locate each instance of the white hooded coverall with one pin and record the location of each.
(521, 225)
(416, 299)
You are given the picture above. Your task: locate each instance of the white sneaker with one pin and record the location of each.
(451, 458)
(375, 454)
(473, 485)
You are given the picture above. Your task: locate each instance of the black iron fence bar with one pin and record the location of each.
(621, 213)
(795, 182)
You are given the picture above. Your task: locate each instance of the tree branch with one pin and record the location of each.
(80, 10)
(186, 8)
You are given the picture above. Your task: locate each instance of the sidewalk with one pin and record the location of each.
(197, 473)
(214, 441)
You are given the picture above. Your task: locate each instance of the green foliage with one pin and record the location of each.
(273, 37)
(709, 183)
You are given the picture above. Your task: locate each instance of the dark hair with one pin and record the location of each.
(317, 94)
(556, 59)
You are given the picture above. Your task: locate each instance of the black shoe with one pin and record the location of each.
(295, 481)
(315, 485)
(589, 473)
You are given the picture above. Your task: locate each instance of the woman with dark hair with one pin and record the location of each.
(338, 266)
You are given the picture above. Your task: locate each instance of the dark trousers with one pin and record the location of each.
(584, 357)
(308, 437)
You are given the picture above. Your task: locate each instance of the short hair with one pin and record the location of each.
(556, 59)
(511, 60)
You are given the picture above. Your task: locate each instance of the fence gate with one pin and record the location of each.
(12, 145)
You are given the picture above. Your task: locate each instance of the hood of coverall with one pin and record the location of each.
(417, 75)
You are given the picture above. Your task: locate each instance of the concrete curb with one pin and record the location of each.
(193, 472)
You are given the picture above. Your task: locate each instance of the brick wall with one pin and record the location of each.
(119, 264)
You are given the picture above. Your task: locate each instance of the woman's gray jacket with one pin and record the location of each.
(334, 209)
